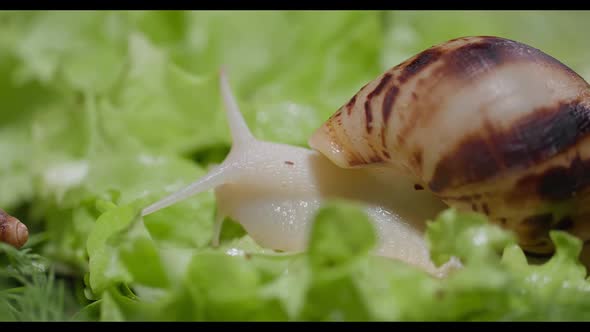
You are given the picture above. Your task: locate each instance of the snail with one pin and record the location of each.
(273, 190)
(12, 230)
(482, 123)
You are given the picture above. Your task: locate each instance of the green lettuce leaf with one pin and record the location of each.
(104, 112)
(16, 148)
(276, 72)
(409, 32)
(474, 238)
(497, 269)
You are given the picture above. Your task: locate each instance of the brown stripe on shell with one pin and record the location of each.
(475, 158)
(467, 59)
(384, 80)
(352, 102)
(368, 113)
(350, 105)
(388, 101)
(555, 184)
(480, 54)
(469, 162)
(561, 183)
(375, 157)
(473, 59)
(411, 69)
(419, 63)
(536, 137)
(462, 59)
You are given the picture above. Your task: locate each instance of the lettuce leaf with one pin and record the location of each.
(105, 111)
(324, 284)
(514, 289)
(409, 32)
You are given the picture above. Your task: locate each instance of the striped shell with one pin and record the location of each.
(12, 231)
(485, 123)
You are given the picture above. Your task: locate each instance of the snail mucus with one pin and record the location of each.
(12, 230)
(481, 123)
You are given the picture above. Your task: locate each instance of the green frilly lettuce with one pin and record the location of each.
(106, 111)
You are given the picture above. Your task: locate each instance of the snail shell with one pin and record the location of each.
(486, 124)
(12, 231)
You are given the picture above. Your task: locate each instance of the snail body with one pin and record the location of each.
(12, 230)
(482, 123)
(274, 190)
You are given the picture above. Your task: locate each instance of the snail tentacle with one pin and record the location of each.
(219, 174)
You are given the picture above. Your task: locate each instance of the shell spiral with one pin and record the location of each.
(487, 124)
(12, 230)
